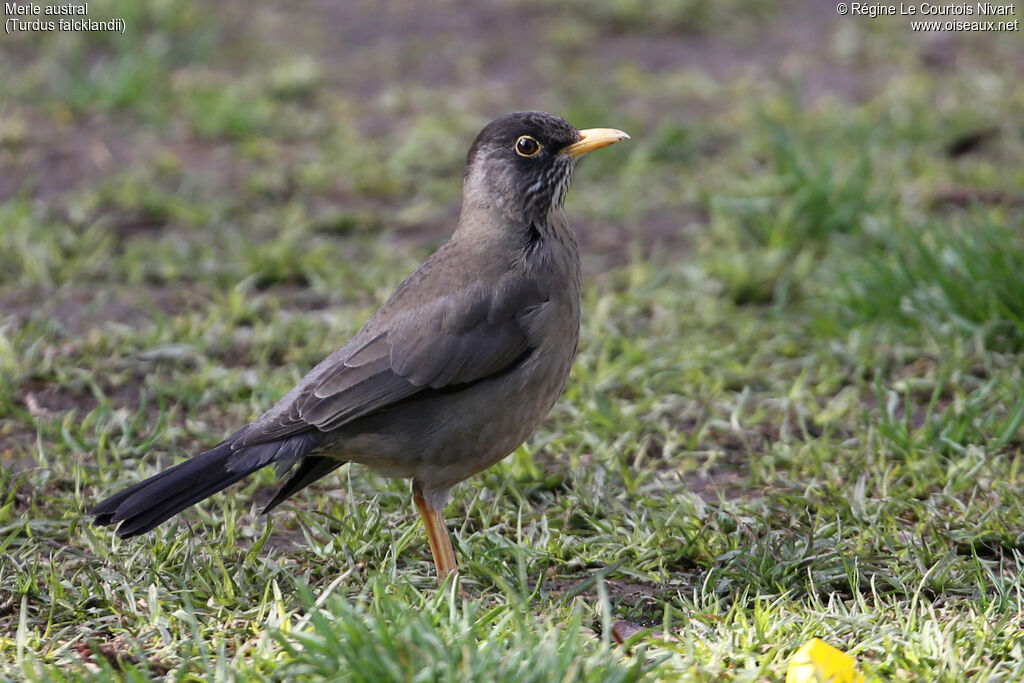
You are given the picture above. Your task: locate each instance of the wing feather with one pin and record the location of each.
(449, 341)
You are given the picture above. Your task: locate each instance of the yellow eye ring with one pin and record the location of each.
(527, 146)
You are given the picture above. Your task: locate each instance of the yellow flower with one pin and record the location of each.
(818, 662)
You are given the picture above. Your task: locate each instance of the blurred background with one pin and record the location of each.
(211, 144)
(804, 277)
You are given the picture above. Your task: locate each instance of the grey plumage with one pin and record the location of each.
(453, 372)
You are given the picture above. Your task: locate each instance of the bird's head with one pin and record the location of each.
(521, 164)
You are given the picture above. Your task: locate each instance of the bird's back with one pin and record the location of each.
(443, 435)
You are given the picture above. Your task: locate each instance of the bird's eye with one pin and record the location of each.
(527, 146)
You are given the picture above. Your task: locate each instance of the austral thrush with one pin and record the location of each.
(452, 374)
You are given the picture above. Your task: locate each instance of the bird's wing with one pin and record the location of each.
(450, 341)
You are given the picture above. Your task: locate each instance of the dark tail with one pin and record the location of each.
(311, 468)
(147, 504)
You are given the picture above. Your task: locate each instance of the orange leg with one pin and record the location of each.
(437, 534)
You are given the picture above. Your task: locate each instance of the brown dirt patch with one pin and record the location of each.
(78, 310)
(50, 158)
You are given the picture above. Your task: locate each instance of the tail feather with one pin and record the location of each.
(311, 468)
(145, 505)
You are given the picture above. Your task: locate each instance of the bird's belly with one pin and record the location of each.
(441, 438)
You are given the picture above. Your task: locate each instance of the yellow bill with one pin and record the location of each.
(594, 138)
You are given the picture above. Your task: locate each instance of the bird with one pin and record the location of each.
(451, 374)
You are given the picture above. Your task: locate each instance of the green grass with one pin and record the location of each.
(959, 276)
(796, 409)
